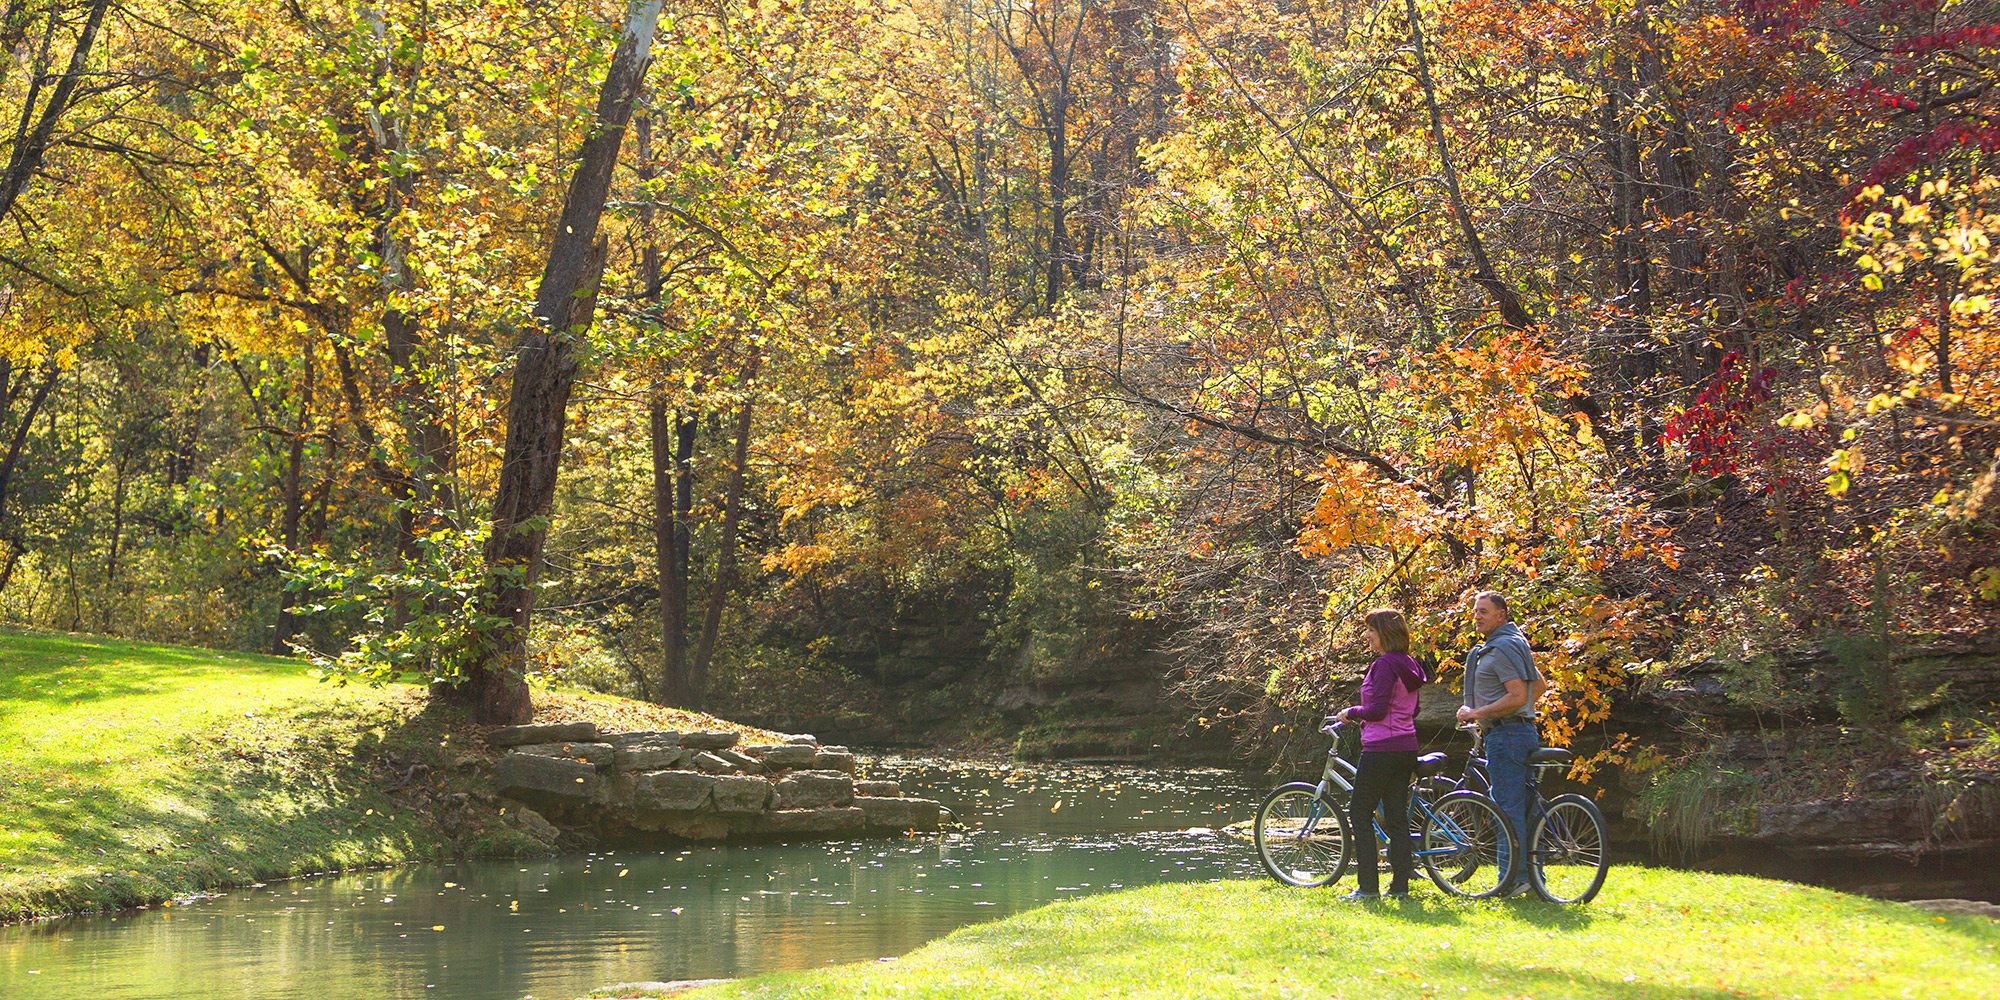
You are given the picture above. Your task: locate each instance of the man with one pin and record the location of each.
(1501, 688)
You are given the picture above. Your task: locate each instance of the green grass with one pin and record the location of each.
(131, 774)
(1653, 934)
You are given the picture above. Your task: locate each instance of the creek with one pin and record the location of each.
(557, 928)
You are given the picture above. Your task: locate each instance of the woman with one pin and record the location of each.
(1388, 714)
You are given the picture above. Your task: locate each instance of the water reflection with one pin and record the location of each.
(557, 928)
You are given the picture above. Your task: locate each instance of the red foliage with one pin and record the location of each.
(1712, 427)
(1972, 36)
(1919, 150)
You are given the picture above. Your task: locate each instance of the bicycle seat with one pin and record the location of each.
(1429, 764)
(1550, 755)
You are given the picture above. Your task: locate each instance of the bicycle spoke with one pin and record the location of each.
(1301, 839)
(1568, 862)
(1462, 845)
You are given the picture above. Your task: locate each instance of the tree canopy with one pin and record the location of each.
(914, 351)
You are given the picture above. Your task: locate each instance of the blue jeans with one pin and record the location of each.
(1507, 750)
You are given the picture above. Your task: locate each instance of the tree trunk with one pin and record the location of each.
(37, 129)
(544, 373)
(1058, 197)
(17, 442)
(1511, 310)
(725, 559)
(14, 550)
(295, 459)
(673, 497)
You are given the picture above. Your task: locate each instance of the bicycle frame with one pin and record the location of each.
(1340, 773)
(1478, 779)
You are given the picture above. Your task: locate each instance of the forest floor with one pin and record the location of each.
(1654, 933)
(133, 774)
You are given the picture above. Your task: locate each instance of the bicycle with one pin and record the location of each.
(1567, 862)
(1304, 839)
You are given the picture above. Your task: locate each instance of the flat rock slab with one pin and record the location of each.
(802, 739)
(713, 764)
(735, 794)
(879, 789)
(898, 813)
(566, 732)
(747, 765)
(672, 791)
(827, 760)
(531, 774)
(589, 753)
(1843, 821)
(708, 741)
(784, 757)
(634, 756)
(830, 820)
(531, 823)
(647, 736)
(815, 789)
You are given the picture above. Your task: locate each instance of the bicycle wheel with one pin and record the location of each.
(1568, 862)
(1462, 845)
(1301, 839)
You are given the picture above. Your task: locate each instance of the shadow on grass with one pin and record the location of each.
(1430, 908)
(1501, 979)
(1984, 931)
(296, 791)
(44, 671)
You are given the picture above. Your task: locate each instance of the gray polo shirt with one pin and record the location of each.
(1503, 657)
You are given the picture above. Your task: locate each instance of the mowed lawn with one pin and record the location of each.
(133, 773)
(1653, 935)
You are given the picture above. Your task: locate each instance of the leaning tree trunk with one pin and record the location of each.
(545, 370)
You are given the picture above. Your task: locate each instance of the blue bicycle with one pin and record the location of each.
(1303, 837)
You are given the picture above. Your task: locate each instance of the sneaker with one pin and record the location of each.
(1515, 891)
(1357, 896)
(1400, 897)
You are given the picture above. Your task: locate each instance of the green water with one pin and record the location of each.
(558, 928)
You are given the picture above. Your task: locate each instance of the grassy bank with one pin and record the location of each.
(131, 774)
(1653, 934)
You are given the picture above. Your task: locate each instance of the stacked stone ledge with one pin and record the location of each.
(698, 786)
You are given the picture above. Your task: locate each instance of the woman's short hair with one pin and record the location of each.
(1390, 627)
(1496, 598)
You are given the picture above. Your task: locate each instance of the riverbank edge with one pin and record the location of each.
(1654, 933)
(371, 779)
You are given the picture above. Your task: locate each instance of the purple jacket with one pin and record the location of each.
(1389, 703)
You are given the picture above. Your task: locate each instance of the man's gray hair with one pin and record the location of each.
(1499, 601)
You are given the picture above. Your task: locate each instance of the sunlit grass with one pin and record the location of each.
(132, 773)
(1653, 934)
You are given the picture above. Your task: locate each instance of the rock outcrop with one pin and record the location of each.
(697, 786)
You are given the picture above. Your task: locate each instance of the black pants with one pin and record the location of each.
(1383, 779)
